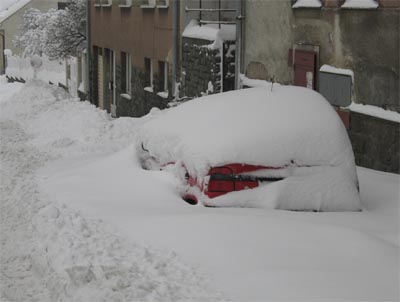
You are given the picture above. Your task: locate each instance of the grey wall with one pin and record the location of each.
(365, 41)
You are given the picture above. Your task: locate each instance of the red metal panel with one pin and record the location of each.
(304, 62)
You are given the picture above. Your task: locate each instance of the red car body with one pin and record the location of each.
(228, 178)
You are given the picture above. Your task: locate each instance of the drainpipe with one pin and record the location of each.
(175, 45)
(238, 57)
(88, 54)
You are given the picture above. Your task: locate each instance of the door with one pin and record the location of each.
(112, 85)
(304, 67)
(100, 79)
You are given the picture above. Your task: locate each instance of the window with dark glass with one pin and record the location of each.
(126, 70)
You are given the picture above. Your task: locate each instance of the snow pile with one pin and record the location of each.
(307, 3)
(248, 254)
(290, 127)
(50, 252)
(210, 32)
(360, 4)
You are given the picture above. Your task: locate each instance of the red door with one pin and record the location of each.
(304, 67)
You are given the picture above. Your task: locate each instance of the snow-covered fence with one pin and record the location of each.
(20, 68)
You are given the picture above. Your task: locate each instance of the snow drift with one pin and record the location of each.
(290, 127)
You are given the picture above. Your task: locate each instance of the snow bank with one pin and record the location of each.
(360, 4)
(210, 32)
(51, 252)
(288, 127)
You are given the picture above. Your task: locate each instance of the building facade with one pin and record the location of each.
(290, 40)
(10, 21)
(131, 50)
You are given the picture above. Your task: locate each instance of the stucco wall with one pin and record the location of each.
(12, 24)
(143, 33)
(365, 41)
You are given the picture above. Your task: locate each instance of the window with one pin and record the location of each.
(106, 2)
(61, 5)
(148, 75)
(148, 4)
(163, 75)
(162, 3)
(125, 3)
(126, 69)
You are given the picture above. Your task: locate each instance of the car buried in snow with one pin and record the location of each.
(283, 148)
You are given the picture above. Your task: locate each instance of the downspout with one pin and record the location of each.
(88, 54)
(238, 56)
(175, 46)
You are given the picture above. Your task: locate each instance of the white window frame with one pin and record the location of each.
(97, 3)
(166, 5)
(128, 75)
(165, 76)
(151, 87)
(151, 74)
(149, 4)
(106, 3)
(125, 3)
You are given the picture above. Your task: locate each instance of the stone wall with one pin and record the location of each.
(365, 41)
(141, 101)
(375, 142)
(202, 65)
(345, 37)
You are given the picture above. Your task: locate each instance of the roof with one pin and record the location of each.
(10, 7)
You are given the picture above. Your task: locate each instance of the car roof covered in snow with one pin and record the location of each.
(284, 126)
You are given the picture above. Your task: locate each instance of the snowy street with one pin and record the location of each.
(82, 221)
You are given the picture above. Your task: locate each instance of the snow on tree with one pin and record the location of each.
(56, 33)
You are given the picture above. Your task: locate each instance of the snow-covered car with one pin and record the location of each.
(282, 148)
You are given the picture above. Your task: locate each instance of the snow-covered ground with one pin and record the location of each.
(81, 221)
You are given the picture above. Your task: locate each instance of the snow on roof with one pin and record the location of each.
(360, 4)
(210, 32)
(307, 3)
(375, 111)
(10, 7)
(333, 69)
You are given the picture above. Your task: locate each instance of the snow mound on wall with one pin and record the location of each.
(289, 127)
(307, 3)
(360, 4)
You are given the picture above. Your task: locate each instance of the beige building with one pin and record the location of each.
(11, 19)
